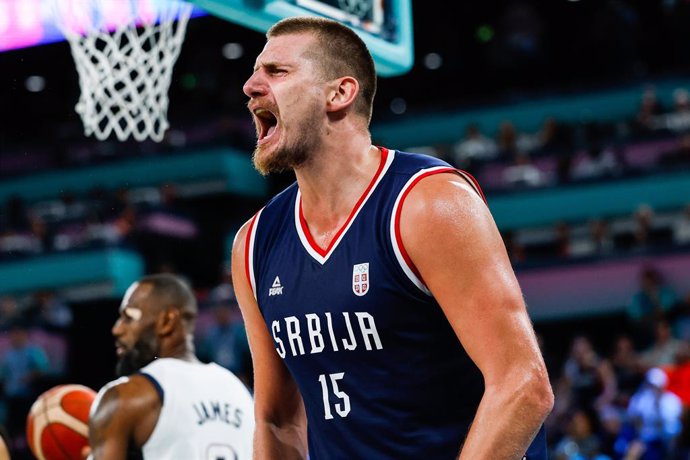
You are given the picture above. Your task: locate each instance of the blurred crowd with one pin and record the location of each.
(625, 396)
(655, 138)
(147, 219)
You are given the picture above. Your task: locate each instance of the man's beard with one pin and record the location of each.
(143, 352)
(289, 156)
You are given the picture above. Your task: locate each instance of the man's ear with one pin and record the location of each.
(342, 93)
(167, 321)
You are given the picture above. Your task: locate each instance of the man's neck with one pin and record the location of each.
(332, 183)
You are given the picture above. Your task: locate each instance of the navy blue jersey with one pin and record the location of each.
(382, 373)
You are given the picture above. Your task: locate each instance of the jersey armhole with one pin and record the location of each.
(396, 236)
(157, 386)
(473, 183)
(249, 252)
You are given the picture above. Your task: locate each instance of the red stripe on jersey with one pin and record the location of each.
(303, 221)
(398, 213)
(247, 246)
(474, 183)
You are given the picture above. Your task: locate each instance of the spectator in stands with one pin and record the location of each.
(125, 224)
(168, 219)
(678, 157)
(627, 368)
(41, 235)
(50, 312)
(681, 227)
(587, 380)
(664, 348)
(650, 107)
(475, 147)
(74, 207)
(22, 366)
(223, 291)
(614, 431)
(563, 242)
(16, 214)
(679, 375)
(679, 119)
(523, 173)
(225, 341)
(116, 202)
(507, 140)
(553, 137)
(656, 415)
(648, 232)
(564, 168)
(9, 312)
(600, 162)
(679, 316)
(652, 301)
(581, 440)
(600, 237)
(681, 449)
(681, 100)
(516, 250)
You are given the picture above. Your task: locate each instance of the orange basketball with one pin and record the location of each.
(57, 424)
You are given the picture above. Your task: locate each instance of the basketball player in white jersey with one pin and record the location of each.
(167, 404)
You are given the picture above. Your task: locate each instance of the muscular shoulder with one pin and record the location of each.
(123, 402)
(239, 252)
(238, 244)
(446, 225)
(445, 198)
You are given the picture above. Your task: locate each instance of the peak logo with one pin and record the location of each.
(276, 288)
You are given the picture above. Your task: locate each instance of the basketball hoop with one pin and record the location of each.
(124, 51)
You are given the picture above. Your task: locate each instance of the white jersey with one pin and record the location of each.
(206, 413)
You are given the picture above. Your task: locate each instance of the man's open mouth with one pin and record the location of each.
(266, 123)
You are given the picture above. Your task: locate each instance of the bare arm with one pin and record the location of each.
(609, 382)
(281, 424)
(452, 239)
(125, 410)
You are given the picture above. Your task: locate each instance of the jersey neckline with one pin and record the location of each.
(320, 254)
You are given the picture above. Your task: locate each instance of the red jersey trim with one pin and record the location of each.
(406, 262)
(302, 222)
(249, 252)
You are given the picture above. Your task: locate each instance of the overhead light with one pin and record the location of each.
(233, 51)
(433, 61)
(485, 33)
(398, 106)
(35, 84)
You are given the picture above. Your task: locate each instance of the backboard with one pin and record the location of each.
(384, 25)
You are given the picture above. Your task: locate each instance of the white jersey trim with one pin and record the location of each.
(397, 245)
(303, 238)
(250, 253)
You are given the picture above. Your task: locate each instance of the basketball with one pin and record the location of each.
(57, 424)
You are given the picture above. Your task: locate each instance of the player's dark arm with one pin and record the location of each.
(281, 423)
(125, 411)
(452, 239)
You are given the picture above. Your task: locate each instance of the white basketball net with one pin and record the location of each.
(124, 51)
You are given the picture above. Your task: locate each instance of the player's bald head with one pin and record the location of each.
(166, 291)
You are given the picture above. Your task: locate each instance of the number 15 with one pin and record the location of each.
(341, 408)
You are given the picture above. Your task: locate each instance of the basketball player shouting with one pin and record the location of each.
(384, 317)
(170, 405)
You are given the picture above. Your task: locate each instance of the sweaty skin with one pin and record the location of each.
(446, 228)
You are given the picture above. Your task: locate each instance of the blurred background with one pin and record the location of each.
(574, 116)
